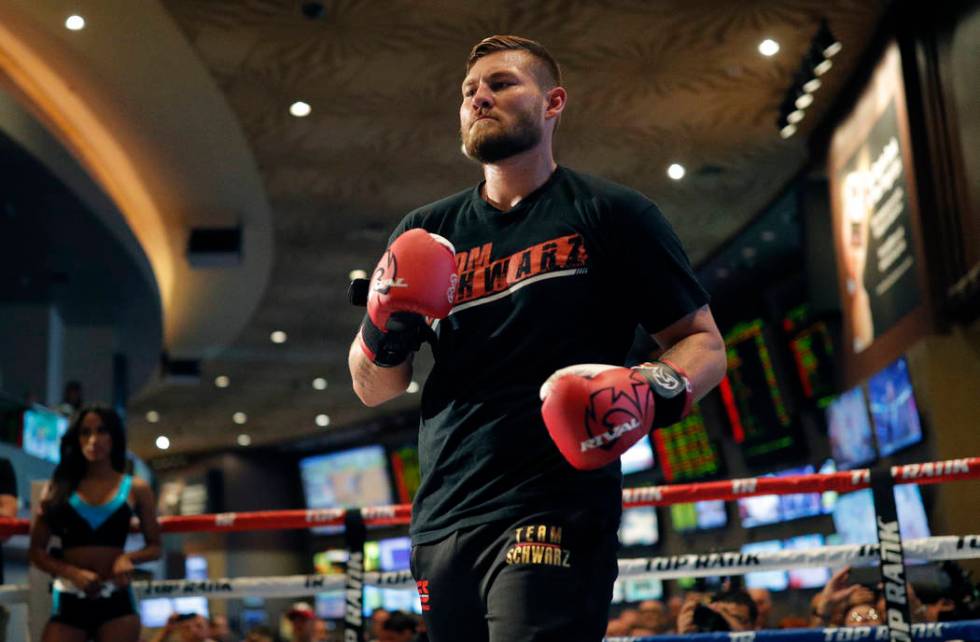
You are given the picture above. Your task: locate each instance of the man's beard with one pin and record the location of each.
(494, 144)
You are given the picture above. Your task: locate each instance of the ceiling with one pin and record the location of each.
(650, 83)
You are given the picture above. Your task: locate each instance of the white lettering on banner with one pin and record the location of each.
(743, 485)
(322, 515)
(314, 581)
(860, 476)
(883, 218)
(893, 574)
(937, 469)
(891, 250)
(742, 636)
(968, 541)
(884, 172)
(929, 630)
(608, 437)
(175, 588)
(645, 494)
(354, 593)
(224, 519)
(378, 512)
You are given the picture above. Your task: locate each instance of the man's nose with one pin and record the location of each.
(482, 98)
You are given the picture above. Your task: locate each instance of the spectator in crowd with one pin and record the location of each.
(260, 634)
(72, 399)
(186, 627)
(320, 631)
(220, 631)
(830, 606)
(8, 508)
(302, 618)
(378, 618)
(763, 603)
(653, 616)
(862, 615)
(674, 605)
(399, 627)
(730, 610)
(617, 628)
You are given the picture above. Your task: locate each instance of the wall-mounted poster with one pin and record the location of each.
(876, 225)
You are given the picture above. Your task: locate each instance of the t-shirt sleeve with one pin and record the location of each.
(653, 266)
(8, 481)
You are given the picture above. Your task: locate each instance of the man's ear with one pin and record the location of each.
(556, 97)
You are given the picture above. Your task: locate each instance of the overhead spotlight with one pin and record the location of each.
(239, 418)
(768, 47)
(825, 41)
(788, 130)
(812, 85)
(676, 171)
(322, 420)
(244, 440)
(803, 100)
(153, 416)
(319, 383)
(823, 66)
(795, 116)
(75, 23)
(222, 381)
(162, 442)
(278, 337)
(300, 109)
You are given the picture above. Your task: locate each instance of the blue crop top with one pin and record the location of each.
(83, 524)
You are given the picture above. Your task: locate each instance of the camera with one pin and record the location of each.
(708, 620)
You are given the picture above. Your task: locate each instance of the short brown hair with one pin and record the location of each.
(546, 70)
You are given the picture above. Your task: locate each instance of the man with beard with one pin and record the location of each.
(529, 287)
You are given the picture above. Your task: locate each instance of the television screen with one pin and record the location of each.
(849, 430)
(400, 599)
(395, 553)
(813, 354)
(770, 509)
(893, 408)
(330, 605)
(346, 479)
(638, 589)
(639, 526)
(638, 458)
(854, 515)
(196, 567)
(698, 516)
(772, 580)
(805, 578)
(405, 466)
(43, 429)
(685, 451)
(154, 612)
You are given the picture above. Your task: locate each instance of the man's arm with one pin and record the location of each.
(373, 384)
(694, 344)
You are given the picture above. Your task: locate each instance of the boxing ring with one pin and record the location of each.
(357, 521)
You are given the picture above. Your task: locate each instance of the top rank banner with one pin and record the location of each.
(881, 268)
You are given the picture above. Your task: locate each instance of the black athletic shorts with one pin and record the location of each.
(547, 577)
(89, 613)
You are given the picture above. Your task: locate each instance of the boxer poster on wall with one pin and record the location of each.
(876, 218)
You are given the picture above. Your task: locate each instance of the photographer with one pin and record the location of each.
(730, 610)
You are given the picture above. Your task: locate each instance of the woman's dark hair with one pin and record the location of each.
(73, 466)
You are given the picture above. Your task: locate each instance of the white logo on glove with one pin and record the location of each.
(611, 436)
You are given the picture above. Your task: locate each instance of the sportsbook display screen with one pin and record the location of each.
(893, 408)
(772, 580)
(854, 515)
(850, 430)
(346, 479)
(698, 516)
(639, 526)
(813, 355)
(771, 509)
(43, 429)
(757, 411)
(685, 451)
(638, 458)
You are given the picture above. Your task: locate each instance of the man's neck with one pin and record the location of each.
(510, 180)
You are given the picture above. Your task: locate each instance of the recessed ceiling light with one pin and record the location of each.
(358, 274)
(300, 109)
(322, 420)
(768, 47)
(239, 418)
(812, 85)
(244, 440)
(676, 171)
(278, 336)
(412, 388)
(788, 130)
(823, 67)
(162, 442)
(795, 116)
(222, 381)
(721, 273)
(832, 49)
(768, 236)
(319, 383)
(75, 23)
(803, 101)
(152, 416)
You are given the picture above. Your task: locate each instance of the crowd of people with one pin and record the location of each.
(841, 603)
(300, 624)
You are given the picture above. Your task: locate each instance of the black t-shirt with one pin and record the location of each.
(564, 277)
(8, 486)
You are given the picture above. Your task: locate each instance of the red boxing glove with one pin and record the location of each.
(416, 278)
(594, 413)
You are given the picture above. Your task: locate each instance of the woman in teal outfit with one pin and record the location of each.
(89, 505)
